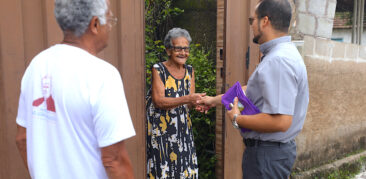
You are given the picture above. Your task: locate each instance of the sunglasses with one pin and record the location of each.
(251, 19)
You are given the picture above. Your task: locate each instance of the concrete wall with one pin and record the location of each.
(314, 18)
(336, 118)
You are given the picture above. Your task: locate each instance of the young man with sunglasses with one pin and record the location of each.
(279, 88)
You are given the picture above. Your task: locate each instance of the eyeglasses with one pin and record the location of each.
(112, 21)
(251, 20)
(180, 49)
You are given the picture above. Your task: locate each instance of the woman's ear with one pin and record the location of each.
(168, 51)
(94, 25)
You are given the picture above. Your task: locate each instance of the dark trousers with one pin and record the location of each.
(262, 160)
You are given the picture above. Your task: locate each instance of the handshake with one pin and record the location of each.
(203, 103)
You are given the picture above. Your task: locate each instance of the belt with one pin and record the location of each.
(255, 142)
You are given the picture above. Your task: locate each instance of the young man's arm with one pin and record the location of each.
(116, 161)
(210, 101)
(21, 141)
(261, 122)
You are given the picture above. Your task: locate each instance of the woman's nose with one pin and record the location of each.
(183, 52)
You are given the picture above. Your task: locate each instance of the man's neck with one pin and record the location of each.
(80, 42)
(274, 35)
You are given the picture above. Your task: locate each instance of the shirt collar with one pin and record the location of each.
(266, 47)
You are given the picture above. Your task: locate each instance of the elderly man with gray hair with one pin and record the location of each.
(78, 129)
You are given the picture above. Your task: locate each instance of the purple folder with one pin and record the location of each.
(236, 91)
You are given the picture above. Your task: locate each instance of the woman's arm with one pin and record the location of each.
(162, 102)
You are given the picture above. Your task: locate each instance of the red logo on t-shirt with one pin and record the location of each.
(47, 96)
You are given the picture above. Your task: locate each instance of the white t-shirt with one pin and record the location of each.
(72, 104)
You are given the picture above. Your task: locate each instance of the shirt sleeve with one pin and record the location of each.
(277, 81)
(111, 115)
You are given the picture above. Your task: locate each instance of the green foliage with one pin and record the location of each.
(158, 14)
(341, 174)
(348, 170)
(345, 16)
(204, 124)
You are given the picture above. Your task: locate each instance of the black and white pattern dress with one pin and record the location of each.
(170, 147)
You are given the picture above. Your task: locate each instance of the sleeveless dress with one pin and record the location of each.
(170, 147)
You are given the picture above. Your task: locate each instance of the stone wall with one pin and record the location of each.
(336, 118)
(314, 18)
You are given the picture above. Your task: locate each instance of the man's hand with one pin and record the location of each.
(207, 101)
(194, 97)
(234, 109)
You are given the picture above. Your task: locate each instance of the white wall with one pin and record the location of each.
(346, 34)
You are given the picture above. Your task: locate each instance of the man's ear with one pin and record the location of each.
(94, 25)
(266, 21)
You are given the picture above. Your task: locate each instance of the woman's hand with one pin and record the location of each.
(194, 98)
(202, 108)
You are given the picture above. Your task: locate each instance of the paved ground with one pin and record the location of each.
(361, 176)
(333, 166)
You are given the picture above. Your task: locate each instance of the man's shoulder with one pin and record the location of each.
(288, 49)
(73, 56)
(285, 51)
(102, 65)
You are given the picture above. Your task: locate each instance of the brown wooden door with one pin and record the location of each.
(240, 57)
(27, 28)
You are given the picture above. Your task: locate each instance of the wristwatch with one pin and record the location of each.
(235, 124)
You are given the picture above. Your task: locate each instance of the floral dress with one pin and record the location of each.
(170, 148)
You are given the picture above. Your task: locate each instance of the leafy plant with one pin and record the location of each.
(158, 14)
(204, 124)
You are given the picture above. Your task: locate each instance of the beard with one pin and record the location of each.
(256, 38)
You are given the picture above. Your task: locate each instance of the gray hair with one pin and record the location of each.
(75, 15)
(175, 33)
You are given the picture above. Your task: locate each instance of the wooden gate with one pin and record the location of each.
(27, 28)
(237, 58)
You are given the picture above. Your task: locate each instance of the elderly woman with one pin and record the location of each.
(170, 148)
